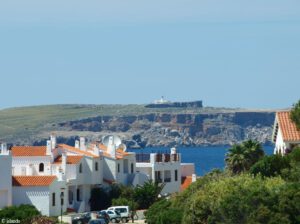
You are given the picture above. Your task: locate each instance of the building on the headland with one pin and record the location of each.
(163, 103)
(285, 136)
(59, 176)
(5, 177)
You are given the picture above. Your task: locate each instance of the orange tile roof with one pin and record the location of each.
(70, 159)
(287, 127)
(32, 180)
(28, 151)
(185, 182)
(75, 150)
(120, 154)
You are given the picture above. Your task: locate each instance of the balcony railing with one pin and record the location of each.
(142, 158)
(157, 157)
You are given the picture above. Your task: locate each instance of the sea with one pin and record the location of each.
(204, 158)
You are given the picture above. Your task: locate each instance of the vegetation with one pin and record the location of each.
(140, 197)
(252, 189)
(241, 157)
(23, 213)
(295, 114)
(23, 122)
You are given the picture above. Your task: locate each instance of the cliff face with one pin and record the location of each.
(163, 129)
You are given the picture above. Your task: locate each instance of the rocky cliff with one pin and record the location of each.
(169, 129)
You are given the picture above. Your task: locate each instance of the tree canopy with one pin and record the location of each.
(295, 114)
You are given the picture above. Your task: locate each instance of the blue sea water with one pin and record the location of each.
(205, 158)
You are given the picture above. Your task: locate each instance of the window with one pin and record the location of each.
(167, 176)
(118, 167)
(41, 167)
(158, 177)
(131, 168)
(96, 166)
(78, 194)
(80, 168)
(53, 199)
(176, 175)
(70, 197)
(61, 198)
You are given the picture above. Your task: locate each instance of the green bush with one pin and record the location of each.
(22, 212)
(163, 212)
(270, 166)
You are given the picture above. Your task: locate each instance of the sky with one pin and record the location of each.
(228, 53)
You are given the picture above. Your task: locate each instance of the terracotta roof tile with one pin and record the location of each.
(32, 180)
(75, 150)
(287, 126)
(70, 159)
(120, 154)
(185, 182)
(28, 151)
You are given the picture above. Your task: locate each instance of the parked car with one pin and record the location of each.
(124, 212)
(82, 218)
(97, 221)
(103, 215)
(114, 216)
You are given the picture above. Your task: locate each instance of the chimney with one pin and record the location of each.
(82, 144)
(49, 148)
(111, 148)
(53, 141)
(173, 151)
(77, 144)
(4, 150)
(64, 162)
(96, 150)
(30, 170)
(194, 177)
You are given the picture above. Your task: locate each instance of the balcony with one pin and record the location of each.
(157, 157)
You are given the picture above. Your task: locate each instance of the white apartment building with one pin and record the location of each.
(59, 176)
(165, 168)
(6, 179)
(77, 170)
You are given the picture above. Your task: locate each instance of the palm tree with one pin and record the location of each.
(254, 151)
(236, 160)
(241, 157)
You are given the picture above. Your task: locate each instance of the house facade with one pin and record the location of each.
(6, 177)
(164, 168)
(285, 136)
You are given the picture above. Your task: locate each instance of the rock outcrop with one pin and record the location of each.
(163, 129)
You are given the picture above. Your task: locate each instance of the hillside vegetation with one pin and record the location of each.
(27, 122)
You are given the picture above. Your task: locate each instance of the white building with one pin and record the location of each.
(77, 169)
(6, 179)
(285, 133)
(165, 168)
(44, 192)
(41, 175)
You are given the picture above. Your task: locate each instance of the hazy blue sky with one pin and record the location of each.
(227, 53)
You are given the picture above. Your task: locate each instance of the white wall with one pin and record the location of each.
(5, 180)
(41, 197)
(37, 196)
(280, 145)
(20, 162)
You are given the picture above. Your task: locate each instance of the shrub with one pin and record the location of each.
(22, 212)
